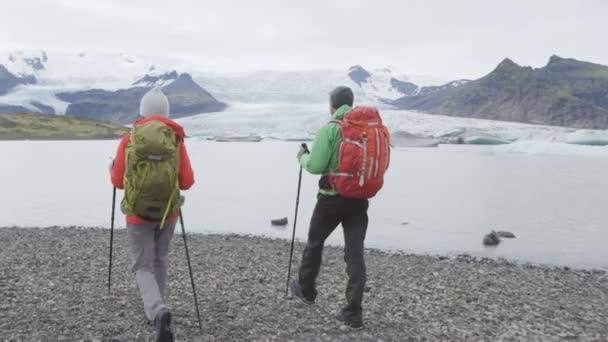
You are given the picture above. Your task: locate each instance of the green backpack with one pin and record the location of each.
(151, 173)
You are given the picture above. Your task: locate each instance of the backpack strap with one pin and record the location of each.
(173, 193)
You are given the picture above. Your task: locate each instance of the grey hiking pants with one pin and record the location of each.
(149, 249)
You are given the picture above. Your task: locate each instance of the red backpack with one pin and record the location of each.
(364, 154)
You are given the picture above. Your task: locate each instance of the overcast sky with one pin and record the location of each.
(445, 38)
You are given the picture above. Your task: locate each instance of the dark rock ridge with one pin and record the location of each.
(566, 92)
(449, 85)
(152, 80)
(122, 106)
(405, 88)
(358, 74)
(8, 81)
(37, 63)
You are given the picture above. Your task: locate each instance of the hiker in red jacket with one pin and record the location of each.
(152, 180)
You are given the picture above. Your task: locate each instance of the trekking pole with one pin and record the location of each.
(111, 239)
(198, 314)
(295, 220)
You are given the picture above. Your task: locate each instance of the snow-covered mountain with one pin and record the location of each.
(39, 76)
(104, 86)
(109, 71)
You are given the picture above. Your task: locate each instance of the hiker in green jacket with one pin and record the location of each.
(331, 210)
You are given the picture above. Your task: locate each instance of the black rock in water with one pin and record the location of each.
(491, 239)
(505, 234)
(280, 222)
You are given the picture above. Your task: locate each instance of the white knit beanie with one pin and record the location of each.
(154, 102)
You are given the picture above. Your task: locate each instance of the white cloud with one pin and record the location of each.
(451, 39)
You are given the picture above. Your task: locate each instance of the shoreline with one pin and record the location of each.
(387, 251)
(54, 285)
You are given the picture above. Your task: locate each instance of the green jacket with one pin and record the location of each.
(324, 154)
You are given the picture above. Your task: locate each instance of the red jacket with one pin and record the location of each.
(186, 175)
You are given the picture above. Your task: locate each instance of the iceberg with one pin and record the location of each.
(588, 137)
(485, 140)
(249, 138)
(475, 137)
(405, 139)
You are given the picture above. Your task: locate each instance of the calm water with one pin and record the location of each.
(449, 196)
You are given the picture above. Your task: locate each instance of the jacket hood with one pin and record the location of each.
(340, 112)
(179, 130)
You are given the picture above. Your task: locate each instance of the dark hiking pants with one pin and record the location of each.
(329, 212)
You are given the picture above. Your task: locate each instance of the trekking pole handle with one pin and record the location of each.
(305, 147)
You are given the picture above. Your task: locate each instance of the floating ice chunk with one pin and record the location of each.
(588, 137)
(249, 138)
(485, 140)
(405, 139)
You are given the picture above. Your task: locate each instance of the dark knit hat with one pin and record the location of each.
(341, 96)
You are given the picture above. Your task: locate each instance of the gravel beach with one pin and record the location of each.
(53, 288)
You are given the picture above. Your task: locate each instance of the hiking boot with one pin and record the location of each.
(296, 290)
(353, 323)
(162, 322)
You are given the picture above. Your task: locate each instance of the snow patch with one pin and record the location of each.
(25, 63)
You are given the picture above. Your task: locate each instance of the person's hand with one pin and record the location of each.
(182, 199)
(302, 151)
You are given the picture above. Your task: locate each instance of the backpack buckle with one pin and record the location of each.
(154, 157)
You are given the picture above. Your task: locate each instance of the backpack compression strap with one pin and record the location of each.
(173, 193)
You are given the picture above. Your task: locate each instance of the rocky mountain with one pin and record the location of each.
(122, 106)
(405, 88)
(566, 92)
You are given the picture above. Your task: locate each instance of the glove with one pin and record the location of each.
(111, 164)
(181, 201)
(303, 150)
